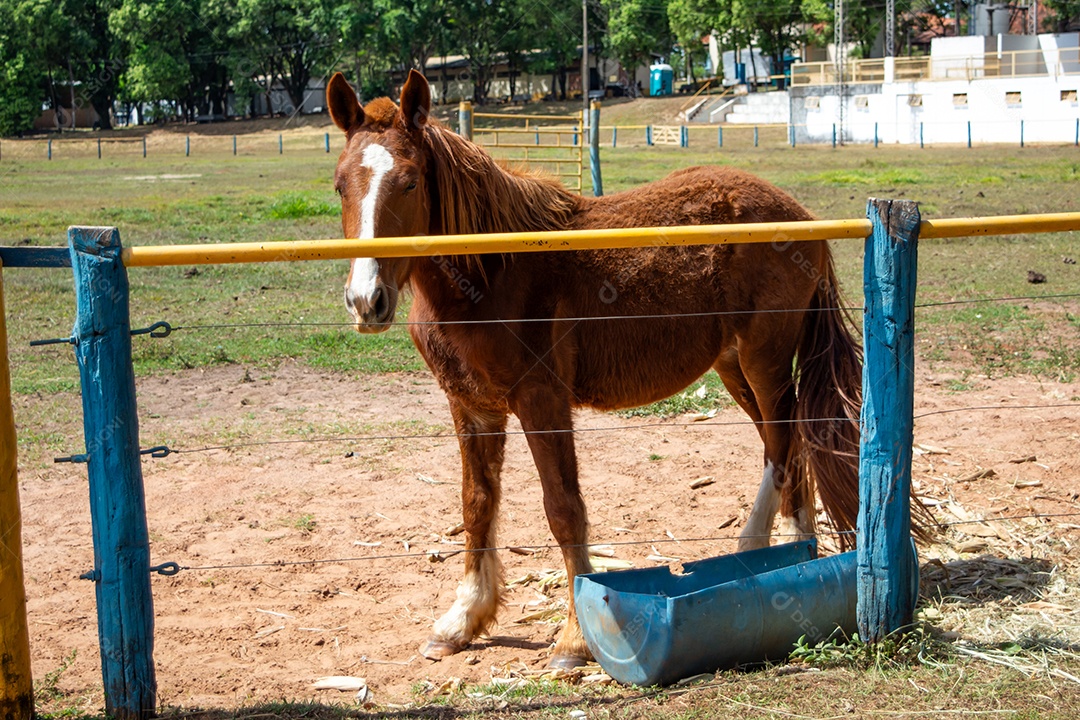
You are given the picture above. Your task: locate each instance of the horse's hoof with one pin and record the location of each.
(567, 662)
(434, 649)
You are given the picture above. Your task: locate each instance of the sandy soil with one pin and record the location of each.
(229, 635)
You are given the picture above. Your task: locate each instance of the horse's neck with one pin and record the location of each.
(472, 193)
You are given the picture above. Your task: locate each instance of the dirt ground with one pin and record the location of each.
(232, 636)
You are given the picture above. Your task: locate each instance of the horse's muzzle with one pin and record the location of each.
(375, 313)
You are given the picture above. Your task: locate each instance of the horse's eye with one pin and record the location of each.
(410, 187)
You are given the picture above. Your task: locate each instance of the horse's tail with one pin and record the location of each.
(825, 451)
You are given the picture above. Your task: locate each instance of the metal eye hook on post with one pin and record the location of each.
(159, 329)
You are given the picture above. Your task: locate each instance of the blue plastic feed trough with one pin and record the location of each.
(649, 627)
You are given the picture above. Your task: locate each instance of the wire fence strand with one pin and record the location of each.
(605, 318)
(439, 555)
(704, 423)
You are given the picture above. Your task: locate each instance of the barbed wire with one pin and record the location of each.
(653, 316)
(440, 555)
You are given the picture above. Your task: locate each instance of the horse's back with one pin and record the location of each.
(702, 195)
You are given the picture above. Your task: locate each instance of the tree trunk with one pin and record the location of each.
(445, 81)
(71, 92)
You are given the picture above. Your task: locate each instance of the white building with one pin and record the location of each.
(978, 89)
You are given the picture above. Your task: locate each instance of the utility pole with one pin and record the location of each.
(838, 41)
(890, 28)
(585, 60)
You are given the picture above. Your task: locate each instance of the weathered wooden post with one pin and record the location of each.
(885, 573)
(121, 571)
(16, 690)
(465, 127)
(594, 148)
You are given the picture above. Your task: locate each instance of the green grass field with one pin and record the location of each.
(269, 197)
(228, 199)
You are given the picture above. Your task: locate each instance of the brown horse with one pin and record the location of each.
(766, 317)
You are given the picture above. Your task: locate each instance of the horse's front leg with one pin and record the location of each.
(546, 418)
(482, 440)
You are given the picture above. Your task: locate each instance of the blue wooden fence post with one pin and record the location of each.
(648, 135)
(755, 136)
(144, 146)
(875, 134)
(280, 145)
(233, 144)
(327, 137)
(684, 136)
(921, 135)
(50, 148)
(720, 136)
(594, 148)
(99, 148)
(885, 573)
(1021, 133)
(614, 136)
(187, 146)
(969, 132)
(121, 571)
(834, 134)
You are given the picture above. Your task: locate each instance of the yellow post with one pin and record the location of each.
(16, 692)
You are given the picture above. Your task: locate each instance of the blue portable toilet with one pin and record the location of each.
(661, 79)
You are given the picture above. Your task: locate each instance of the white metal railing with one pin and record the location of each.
(1054, 62)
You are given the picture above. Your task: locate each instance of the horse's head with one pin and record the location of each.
(381, 177)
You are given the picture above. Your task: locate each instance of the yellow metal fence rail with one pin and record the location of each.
(339, 249)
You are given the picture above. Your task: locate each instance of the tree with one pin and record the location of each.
(637, 30)
(58, 54)
(484, 26)
(288, 41)
(22, 69)
(560, 37)
(1064, 15)
(94, 57)
(411, 29)
(189, 65)
(689, 21)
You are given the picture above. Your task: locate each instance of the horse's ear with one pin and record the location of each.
(345, 109)
(415, 101)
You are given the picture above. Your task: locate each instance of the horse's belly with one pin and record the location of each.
(645, 367)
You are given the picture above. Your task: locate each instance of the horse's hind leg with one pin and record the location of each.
(759, 378)
(546, 419)
(759, 525)
(482, 440)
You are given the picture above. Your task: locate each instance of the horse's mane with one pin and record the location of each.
(473, 193)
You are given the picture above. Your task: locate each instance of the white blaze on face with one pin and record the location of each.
(365, 271)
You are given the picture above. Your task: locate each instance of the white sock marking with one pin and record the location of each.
(759, 524)
(476, 604)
